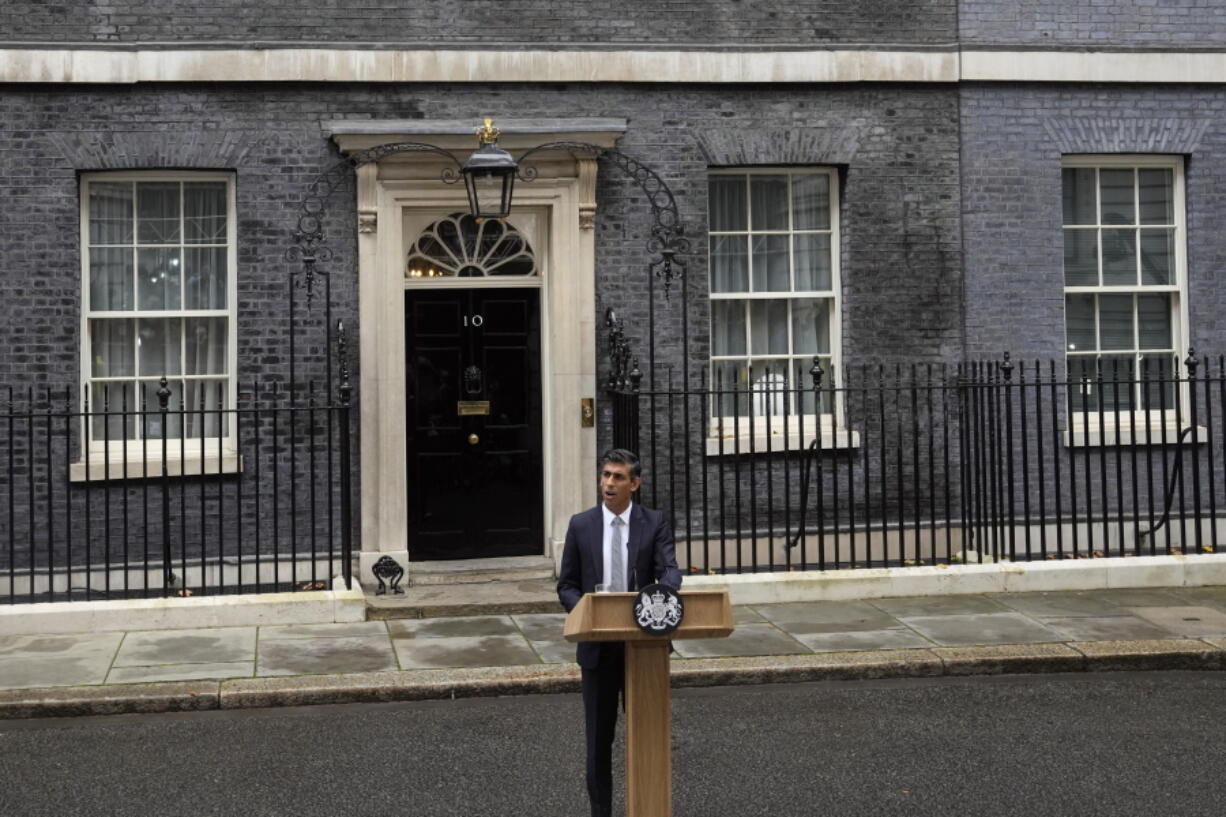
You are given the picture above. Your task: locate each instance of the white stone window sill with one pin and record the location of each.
(778, 440)
(139, 466)
(1092, 436)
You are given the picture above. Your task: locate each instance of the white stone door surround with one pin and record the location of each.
(399, 194)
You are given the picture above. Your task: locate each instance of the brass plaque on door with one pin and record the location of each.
(465, 408)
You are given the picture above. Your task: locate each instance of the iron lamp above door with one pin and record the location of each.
(489, 176)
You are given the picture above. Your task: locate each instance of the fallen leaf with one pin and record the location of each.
(184, 592)
(942, 564)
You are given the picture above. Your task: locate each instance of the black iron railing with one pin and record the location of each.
(932, 464)
(112, 500)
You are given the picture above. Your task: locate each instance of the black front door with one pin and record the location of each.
(474, 423)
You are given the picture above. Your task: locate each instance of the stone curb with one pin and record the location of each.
(449, 684)
(377, 612)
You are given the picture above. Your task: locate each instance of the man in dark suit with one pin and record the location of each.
(623, 546)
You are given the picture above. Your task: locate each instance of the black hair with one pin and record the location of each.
(622, 456)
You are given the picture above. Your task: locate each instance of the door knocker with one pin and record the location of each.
(472, 380)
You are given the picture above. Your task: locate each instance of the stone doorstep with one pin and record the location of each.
(480, 571)
(441, 684)
(466, 599)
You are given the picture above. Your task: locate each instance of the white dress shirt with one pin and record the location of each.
(607, 542)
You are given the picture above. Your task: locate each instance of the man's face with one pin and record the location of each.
(616, 486)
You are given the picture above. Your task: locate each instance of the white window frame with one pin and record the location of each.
(106, 459)
(1136, 426)
(732, 434)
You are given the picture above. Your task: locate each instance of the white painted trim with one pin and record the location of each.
(1003, 577)
(173, 63)
(306, 607)
(99, 450)
(1093, 66)
(547, 212)
(193, 464)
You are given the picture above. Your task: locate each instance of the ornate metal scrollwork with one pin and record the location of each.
(387, 568)
(624, 373)
(310, 244)
(667, 240)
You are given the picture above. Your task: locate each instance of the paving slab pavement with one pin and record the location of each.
(412, 658)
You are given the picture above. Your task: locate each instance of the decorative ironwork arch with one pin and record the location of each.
(666, 241)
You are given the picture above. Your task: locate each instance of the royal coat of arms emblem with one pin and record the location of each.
(658, 609)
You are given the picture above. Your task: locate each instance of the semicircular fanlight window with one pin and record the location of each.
(460, 246)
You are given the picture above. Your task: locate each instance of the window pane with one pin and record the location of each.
(153, 416)
(1157, 189)
(769, 388)
(770, 263)
(1116, 390)
(159, 346)
(1154, 315)
(1119, 257)
(802, 379)
(812, 254)
(204, 400)
(728, 327)
(206, 340)
(205, 278)
(729, 263)
(157, 211)
(1083, 392)
(1080, 195)
(729, 380)
(204, 216)
(1080, 258)
(1118, 200)
(811, 202)
(1079, 314)
(110, 213)
(769, 196)
(1115, 327)
(768, 322)
(110, 278)
(108, 405)
(158, 278)
(112, 348)
(811, 326)
(728, 203)
(1157, 252)
(1158, 392)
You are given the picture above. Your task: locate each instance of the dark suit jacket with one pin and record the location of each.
(652, 557)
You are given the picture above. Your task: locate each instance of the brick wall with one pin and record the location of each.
(1012, 141)
(462, 22)
(1140, 23)
(896, 146)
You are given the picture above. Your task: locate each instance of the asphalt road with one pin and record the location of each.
(1099, 744)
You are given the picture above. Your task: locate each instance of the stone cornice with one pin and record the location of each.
(127, 64)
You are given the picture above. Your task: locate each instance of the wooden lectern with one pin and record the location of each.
(610, 617)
